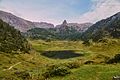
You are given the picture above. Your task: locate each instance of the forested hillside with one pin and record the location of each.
(106, 28)
(11, 39)
(65, 31)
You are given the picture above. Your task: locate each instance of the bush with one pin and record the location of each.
(56, 70)
(115, 59)
(100, 58)
(86, 43)
(24, 75)
(73, 65)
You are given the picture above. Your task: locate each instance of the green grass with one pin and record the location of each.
(93, 72)
(36, 64)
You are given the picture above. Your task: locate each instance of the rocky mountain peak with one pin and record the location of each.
(64, 23)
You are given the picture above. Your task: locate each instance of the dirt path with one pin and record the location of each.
(12, 66)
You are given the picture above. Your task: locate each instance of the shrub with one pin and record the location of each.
(73, 65)
(23, 75)
(115, 59)
(100, 58)
(56, 70)
(86, 43)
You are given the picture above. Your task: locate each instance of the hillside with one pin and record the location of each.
(65, 31)
(106, 28)
(11, 39)
(22, 24)
(41, 33)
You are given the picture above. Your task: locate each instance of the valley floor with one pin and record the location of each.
(71, 59)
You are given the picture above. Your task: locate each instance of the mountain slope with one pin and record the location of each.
(41, 33)
(64, 31)
(11, 39)
(44, 25)
(22, 24)
(109, 28)
(78, 27)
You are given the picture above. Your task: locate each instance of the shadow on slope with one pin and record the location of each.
(65, 54)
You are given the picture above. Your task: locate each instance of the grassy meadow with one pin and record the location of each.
(62, 60)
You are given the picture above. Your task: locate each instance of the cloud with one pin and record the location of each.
(55, 11)
(101, 9)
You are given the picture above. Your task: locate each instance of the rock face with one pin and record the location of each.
(15, 21)
(106, 28)
(78, 27)
(22, 24)
(64, 23)
(43, 25)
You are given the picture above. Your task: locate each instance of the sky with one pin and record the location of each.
(55, 11)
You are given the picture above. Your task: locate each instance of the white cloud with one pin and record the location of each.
(39, 11)
(101, 9)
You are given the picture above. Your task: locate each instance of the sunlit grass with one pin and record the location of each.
(36, 64)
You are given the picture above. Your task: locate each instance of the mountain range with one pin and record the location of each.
(77, 26)
(64, 31)
(22, 24)
(106, 28)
